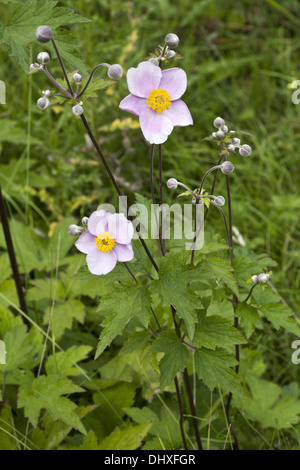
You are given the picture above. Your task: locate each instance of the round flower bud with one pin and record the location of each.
(74, 230)
(172, 40)
(43, 103)
(77, 77)
(154, 61)
(43, 57)
(77, 110)
(245, 150)
(43, 34)
(263, 278)
(219, 122)
(214, 135)
(231, 148)
(85, 220)
(235, 141)
(171, 54)
(115, 71)
(220, 201)
(224, 129)
(47, 93)
(220, 135)
(227, 167)
(172, 183)
(254, 278)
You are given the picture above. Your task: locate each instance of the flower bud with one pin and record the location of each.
(219, 122)
(224, 129)
(263, 278)
(172, 40)
(220, 135)
(154, 61)
(245, 150)
(214, 135)
(43, 34)
(227, 167)
(231, 148)
(235, 141)
(43, 103)
(171, 54)
(47, 93)
(77, 78)
(115, 71)
(74, 230)
(85, 220)
(254, 278)
(172, 183)
(77, 110)
(43, 57)
(220, 201)
(34, 66)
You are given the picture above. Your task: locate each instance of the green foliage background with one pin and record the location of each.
(241, 58)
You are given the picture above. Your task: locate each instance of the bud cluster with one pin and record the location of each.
(223, 134)
(75, 230)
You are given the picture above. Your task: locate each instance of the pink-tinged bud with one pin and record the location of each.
(245, 150)
(219, 122)
(227, 167)
(43, 103)
(115, 71)
(44, 34)
(172, 183)
(220, 201)
(263, 278)
(172, 40)
(77, 110)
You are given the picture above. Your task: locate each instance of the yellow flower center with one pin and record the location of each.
(159, 100)
(104, 242)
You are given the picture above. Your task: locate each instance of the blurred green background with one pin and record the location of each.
(240, 57)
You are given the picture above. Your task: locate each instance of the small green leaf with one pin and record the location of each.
(280, 316)
(215, 331)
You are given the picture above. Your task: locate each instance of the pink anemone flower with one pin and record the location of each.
(106, 241)
(155, 98)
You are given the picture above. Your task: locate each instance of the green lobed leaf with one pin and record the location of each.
(216, 331)
(176, 356)
(46, 393)
(280, 316)
(122, 304)
(248, 316)
(214, 369)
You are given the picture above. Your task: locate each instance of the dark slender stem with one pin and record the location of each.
(236, 320)
(115, 184)
(250, 292)
(162, 234)
(153, 194)
(155, 317)
(62, 67)
(12, 257)
(65, 92)
(214, 183)
(181, 413)
(90, 78)
(193, 408)
(131, 273)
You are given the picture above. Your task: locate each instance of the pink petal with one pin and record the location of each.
(101, 263)
(86, 243)
(120, 228)
(133, 104)
(155, 126)
(179, 114)
(174, 81)
(97, 222)
(143, 79)
(124, 252)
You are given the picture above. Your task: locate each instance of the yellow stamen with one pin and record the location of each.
(159, 100)
(104, 242)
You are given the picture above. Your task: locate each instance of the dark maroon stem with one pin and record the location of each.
(12, 257)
